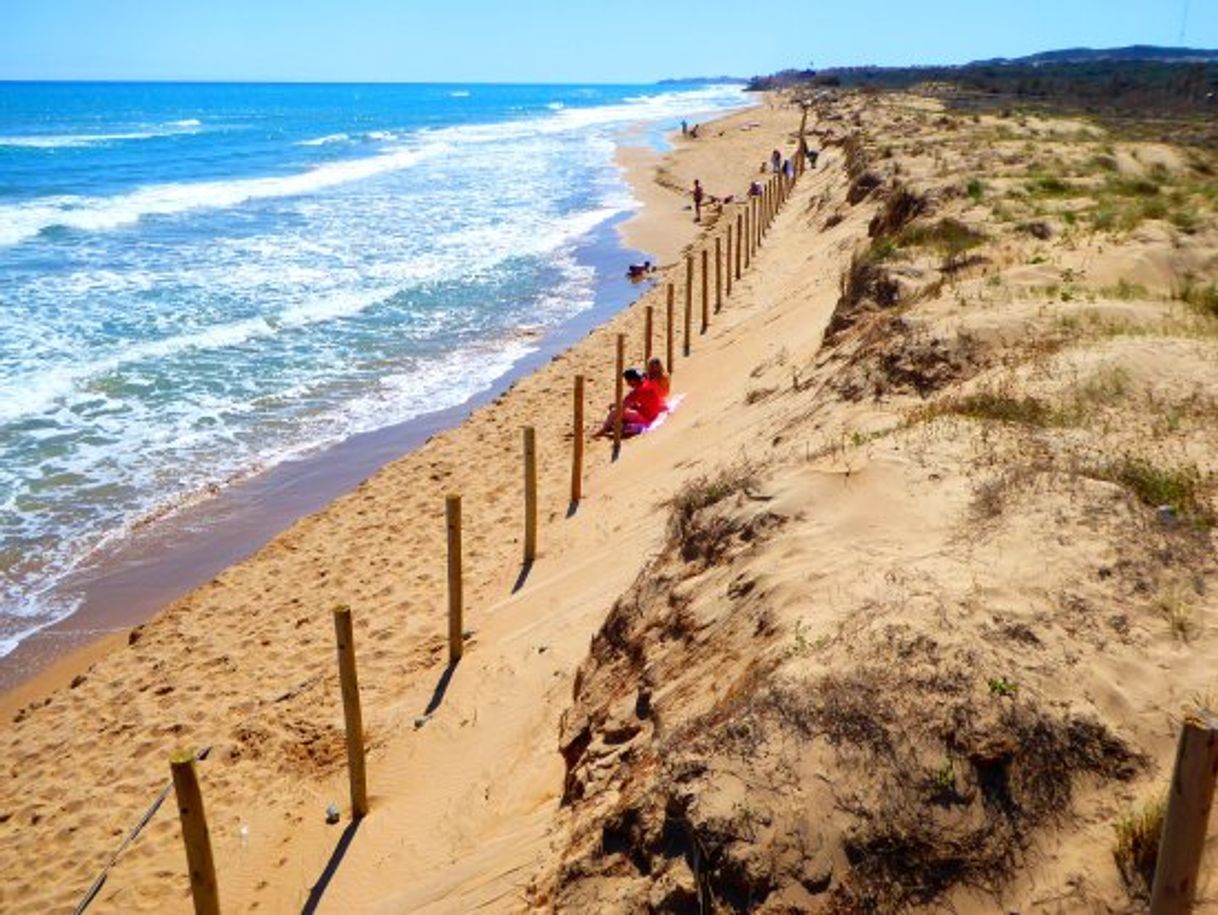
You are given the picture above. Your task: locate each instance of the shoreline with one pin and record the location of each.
(168, 559)
(164, 561)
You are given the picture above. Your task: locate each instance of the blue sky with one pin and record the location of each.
(544, 41)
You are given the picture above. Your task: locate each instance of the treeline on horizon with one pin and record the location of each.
(1101, 85)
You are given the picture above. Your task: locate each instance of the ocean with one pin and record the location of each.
(199, 282)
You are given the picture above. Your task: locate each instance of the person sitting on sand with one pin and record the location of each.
(775, 161)
(639, 408)
(660, 378)
(638, 271)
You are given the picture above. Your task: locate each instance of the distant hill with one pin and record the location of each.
(1085, 55)
(1139, 78)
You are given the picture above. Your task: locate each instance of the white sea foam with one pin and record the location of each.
(458, 93)
(327, 140)
(69, 140)
(19, 222)
(64, 141)
(37, 392)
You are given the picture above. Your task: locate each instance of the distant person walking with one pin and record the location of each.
(685, 128)
(698, 194)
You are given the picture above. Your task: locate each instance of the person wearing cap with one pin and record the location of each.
(640, 407)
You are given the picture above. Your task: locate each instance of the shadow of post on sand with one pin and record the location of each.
(340, 851)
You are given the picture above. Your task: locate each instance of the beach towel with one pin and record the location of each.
(632, 429)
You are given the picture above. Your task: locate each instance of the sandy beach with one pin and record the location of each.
(882, 618)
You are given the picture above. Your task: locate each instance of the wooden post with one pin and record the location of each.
(1188, 812)
(748, 233)
(668, 332)
(718, 274)
(194, 833)
(705, 290)
(740, 243)
(689, 297)
(689, 313)
(648, 318)
(456, 589)
(577, 443)
(728, 258)
(756, 224)
(530, 494)
(351, 714)
(617, 393)
(801, 148)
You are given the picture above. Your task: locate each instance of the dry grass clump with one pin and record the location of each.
(1005, 408)
(1178, 610)
(1179, 487)
(1125, 291)
(902, 207)
(865, 279)
(693, 529)
(1050, 186)
(1203, 299)
(863, 284)
(948, 236)
(921, 826)
(1137, 845)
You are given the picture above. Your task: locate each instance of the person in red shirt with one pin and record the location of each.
(640, 407)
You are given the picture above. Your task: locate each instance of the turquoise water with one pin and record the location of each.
(199, 282)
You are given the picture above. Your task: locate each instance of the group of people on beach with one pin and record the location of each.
(643, 404)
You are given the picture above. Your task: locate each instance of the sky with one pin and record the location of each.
(625, 41)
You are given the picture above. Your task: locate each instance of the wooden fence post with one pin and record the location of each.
(748, 233)
(668, 331)
(203, 888)
(618, 381)
(689, 314)
(648, 318)
(349, 682)
(577, 443)
(728, 258)
(705, 290)
(689, 297)
(718, 274)
(739, 240)
(1188, 812)
(530, 494)
(456, 585)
